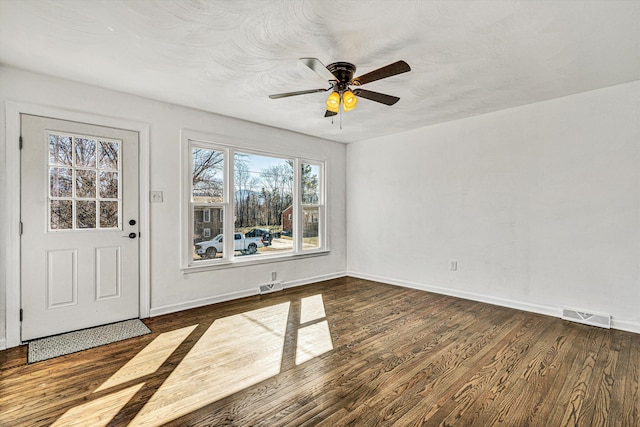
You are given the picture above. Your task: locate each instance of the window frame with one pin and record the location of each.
(187, 218)
(190, 139)
(320, 204)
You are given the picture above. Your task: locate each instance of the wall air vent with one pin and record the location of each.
(586, 317)
(270, 287)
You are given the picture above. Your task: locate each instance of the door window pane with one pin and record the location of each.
(108, 214)
(109, 185)
(85, 183)
(92, 175)
(108, 155)
(60, 150)
(85, 152)
(86, 214)
(60, 182)
(61, 214)
(207, 175)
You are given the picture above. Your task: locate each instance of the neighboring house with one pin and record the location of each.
(309, 222)
(287, 219)
(207, 223)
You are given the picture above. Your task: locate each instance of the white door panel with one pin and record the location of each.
(79, 209)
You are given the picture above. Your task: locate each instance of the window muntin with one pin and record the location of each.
(84, 193)
(266, 196)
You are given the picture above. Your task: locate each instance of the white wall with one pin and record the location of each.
(170, 288)
(539, 204)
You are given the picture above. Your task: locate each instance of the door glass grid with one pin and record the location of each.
(84, 184)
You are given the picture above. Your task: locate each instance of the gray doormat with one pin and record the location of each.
(72, 342)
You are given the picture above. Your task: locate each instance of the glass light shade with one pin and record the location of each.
(333, 102)
(349, 101)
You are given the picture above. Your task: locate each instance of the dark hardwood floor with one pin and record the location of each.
(345, 352)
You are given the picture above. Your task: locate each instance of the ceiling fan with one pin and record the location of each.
(340, 76)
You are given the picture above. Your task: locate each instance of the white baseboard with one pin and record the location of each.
(172, 308)
(309, 280)
(623, 325)
(503, 302)
(3, 344)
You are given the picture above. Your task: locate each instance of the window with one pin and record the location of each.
(263, 191)
(206, 215)
(207, 202)
(311, 205)
(84, 188)
(272, 204)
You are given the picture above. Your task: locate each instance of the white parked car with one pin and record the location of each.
(245, 245)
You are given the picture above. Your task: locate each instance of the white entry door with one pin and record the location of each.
(79, 212)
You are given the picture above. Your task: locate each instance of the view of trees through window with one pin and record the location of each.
(83, 183)
(262, 204)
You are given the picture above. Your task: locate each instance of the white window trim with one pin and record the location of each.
(190, 138)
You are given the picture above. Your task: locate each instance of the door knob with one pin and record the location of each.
(132, 235)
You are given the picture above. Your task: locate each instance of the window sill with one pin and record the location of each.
(243, 262)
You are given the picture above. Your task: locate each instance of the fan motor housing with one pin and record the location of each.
(344, 72)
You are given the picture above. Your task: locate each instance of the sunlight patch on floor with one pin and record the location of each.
(234, 353)
(311, 308)
(150, 358)
(313, 340)
(99, 412)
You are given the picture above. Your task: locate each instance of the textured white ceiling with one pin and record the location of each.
(467, 57)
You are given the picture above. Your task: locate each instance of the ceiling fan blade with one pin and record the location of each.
(376, 96)
(382, 73)
(330, 113)
(319, 68)
(300, 92)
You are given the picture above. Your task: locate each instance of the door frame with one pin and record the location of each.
(13, 110)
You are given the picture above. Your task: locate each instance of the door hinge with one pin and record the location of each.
(21, 315)
(20, 142)
(21, 228)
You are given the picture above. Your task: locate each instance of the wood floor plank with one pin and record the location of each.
(376, 355)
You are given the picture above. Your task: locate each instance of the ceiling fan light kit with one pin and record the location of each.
(340, 76)
(349, 100)
(333, 102)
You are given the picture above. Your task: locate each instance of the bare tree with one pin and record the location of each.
(245, 199)
(207, 174)
(277, 183)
